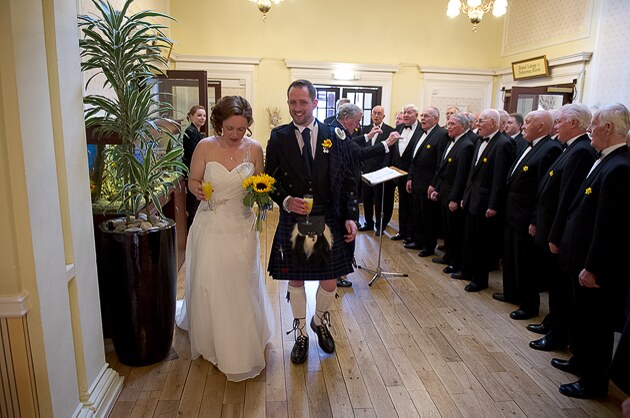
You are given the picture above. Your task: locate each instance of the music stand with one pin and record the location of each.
(373, 179)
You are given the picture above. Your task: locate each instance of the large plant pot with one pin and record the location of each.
(138, 285)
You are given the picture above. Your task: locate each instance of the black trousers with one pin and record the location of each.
(372, 205)
(404, 209)
(592, 330)
(481, 238)
(388, 203)
(453, 225)
(559, 295)
(521, 269)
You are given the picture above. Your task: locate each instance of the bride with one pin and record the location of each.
(226, 309)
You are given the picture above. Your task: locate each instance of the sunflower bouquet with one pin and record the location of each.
(258, 188)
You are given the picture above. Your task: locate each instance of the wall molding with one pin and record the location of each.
(322, 65)
(563, 70)
(241, 69)
(455, 71)
(14, 306)
(102, 394)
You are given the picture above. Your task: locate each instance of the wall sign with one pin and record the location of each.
(530, 68)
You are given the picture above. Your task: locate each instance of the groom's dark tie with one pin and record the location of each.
(307, 153)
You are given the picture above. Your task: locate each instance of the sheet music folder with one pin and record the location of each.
(383, 175)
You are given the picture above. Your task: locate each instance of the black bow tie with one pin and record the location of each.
(486, 139)
(407, 126)
(531, 145)
(564, 145)
(598, 154)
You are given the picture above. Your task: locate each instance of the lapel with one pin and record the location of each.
(486, 151)
(413, 141)
(291, 150)
(452, 151)
(321, 157)
(591, 179)
(514, 170)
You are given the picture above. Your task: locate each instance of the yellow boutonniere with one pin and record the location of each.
(450, 160)
(326, 145)
(588, 191)
(428, 146)
(551, 173)
(525, 168)
(485, 160)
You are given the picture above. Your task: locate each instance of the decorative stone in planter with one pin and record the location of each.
(138, 276)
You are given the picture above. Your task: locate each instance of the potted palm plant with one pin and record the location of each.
(136, 253)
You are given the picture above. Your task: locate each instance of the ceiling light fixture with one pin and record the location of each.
(264, 6)
(475, 9)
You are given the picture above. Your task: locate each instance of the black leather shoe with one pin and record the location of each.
(300, 348)
(397, 237)
(565, 366)
(366, 227)
(547, 343)
(522, 314)
(326, 341)
(341, 282)
(501, 298)
(449, 269)
(474, 287)
(539, 328)
(439, 260)
(425, 252)
(458, 275)
(582, 391)
(412, 245)
(378, 232)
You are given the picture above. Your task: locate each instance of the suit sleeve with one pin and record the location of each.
(272, 165)
(573, 175)
(463, 168)
(611, 223)
(543, 168)
(350, 204)
(504, 159)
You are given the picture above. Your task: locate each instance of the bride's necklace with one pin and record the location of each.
(232, 157)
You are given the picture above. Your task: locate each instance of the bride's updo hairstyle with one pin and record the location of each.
(230, 106)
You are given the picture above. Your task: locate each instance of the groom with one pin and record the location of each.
(307, 157)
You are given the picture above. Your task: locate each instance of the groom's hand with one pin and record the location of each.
(351, 228)
(297, 205)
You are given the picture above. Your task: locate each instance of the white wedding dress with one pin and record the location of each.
(226, 309)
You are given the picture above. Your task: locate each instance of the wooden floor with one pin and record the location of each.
(414, 346)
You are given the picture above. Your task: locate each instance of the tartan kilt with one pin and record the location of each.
(282, 265)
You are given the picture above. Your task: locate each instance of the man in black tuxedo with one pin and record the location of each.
(522, 259)
(375, 133)
(484, 202)
(593, 250)
(410, 132)
(338, 104)
(451, 110)
(348, 119)
(425, 213)
(448, 186)
(307, 157)
(514, 129)
(555, 193)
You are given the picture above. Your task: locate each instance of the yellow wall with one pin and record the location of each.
(358, 31)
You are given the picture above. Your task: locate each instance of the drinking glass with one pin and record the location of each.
(309, 201)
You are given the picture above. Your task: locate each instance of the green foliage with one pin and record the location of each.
(128, 51)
